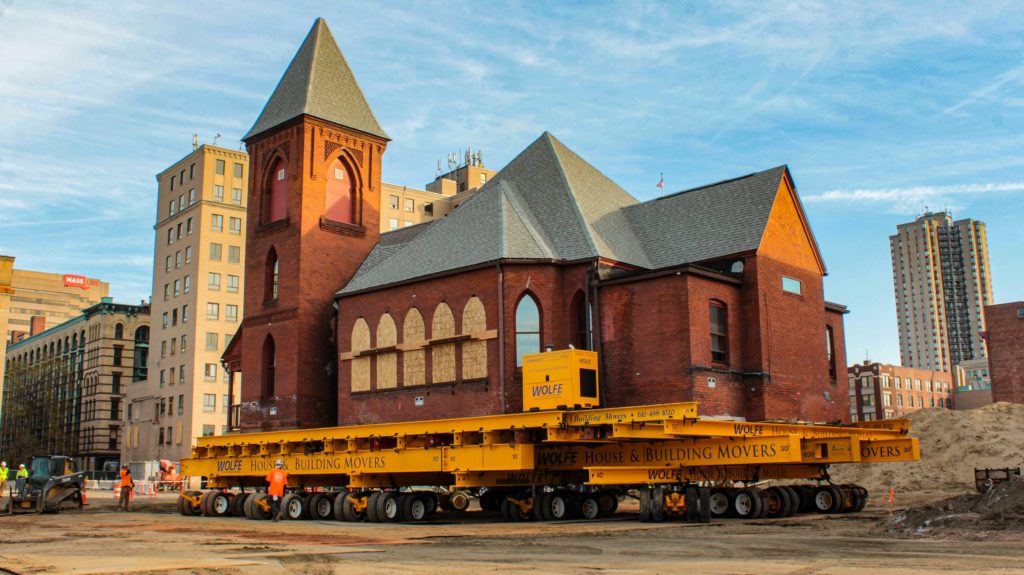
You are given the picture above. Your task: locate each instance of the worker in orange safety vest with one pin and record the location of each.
(127, 484)
(277, 479)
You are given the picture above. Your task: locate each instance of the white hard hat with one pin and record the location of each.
(3, 463)
(279, 463)
(21, 465)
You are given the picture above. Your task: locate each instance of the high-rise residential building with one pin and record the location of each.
(31, 302)
(198, 275)
(65, 386)
(942, 282)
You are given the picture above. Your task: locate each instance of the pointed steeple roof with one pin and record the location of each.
(318, 82)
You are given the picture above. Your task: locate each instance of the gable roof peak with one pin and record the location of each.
(318, 82)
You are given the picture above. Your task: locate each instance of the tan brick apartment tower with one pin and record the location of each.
(942, 282)
(197, 301)
(6, 289)
(316, 153)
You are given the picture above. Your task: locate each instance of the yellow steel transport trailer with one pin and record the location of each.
(554, 464)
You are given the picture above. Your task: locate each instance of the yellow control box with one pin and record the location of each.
(560, 379)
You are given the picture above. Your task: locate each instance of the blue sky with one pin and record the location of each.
(878, 108)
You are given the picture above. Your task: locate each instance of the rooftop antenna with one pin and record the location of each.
(215, 138)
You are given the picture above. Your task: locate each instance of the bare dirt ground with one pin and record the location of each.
(155, 540)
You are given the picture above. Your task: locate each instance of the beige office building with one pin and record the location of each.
(402, 206)
(196, 304)
(31, 302)
(942, 282)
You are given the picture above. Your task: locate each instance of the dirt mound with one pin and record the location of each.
(953, 443)
(1002, 508)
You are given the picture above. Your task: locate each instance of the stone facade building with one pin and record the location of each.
(65, 387)
(883, 391)
(712, 294)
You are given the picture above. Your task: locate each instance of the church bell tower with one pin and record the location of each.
(314, 198)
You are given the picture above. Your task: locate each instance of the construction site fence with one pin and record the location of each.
(145, 487)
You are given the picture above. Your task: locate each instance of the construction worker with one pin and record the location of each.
(277, 479)
(3, 477)
(127, 484)
(21, 480)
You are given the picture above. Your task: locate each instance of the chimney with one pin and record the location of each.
(38, 324)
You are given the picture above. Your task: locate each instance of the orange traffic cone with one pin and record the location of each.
(83, 497)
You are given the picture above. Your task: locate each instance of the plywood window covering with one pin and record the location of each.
(443, 355)
(387, 362)
(360, 365)
(474, 352)
(414, 364)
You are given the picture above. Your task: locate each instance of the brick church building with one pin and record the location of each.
(712, 294)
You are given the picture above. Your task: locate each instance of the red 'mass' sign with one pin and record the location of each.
(75, 281)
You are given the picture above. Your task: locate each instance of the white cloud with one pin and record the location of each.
(912, 200)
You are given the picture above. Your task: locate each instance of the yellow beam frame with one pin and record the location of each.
(651, 475)
(719, 428)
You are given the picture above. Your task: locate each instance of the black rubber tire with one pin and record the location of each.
(608, 501)
(542, 507)
(190, 509)
(348, 508)
(388, 508)
(371, 507)
(721, 501)
(512, 512)
(780, 503)
(560, 506)
(587, 506)
(862, 501)
(415, 507)
(704, 498)
(238, 504)
(807, 498)
(658, 504)
(824, 499)
(429, 501)
(247, 506)
(746, 504)
(306, 498)
(645, 505)
(692, 504)
(491, 500)
(220, 504)
(319, 507)
(293, 507)
(258, 512)
(181, 505)
(204, 504)
(796, 498)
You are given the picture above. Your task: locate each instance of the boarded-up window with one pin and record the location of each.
(474, 352)
(443, 356)
(387, 363)
(360, 365)
(413, 360)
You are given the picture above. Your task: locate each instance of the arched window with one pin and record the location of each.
(527, 328)
(474, 352)
(339, 197)
(360, 364)
(277, 193)
(387, 362)
(442, 356)
(413, 360)
(119, 331)
(272, 275)
(719, 327)
(269, 365)
(581, 322)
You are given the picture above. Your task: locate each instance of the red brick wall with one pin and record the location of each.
(793, 331)
(839, 394)
(1006, 351)
(315, 261)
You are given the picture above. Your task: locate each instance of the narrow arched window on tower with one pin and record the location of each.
(340, 192)
(269, 365)
(277, 193)
(272, 276)
(527, 328)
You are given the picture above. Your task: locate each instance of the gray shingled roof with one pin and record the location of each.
(318, 82)
(708, 222)
(550, 204)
